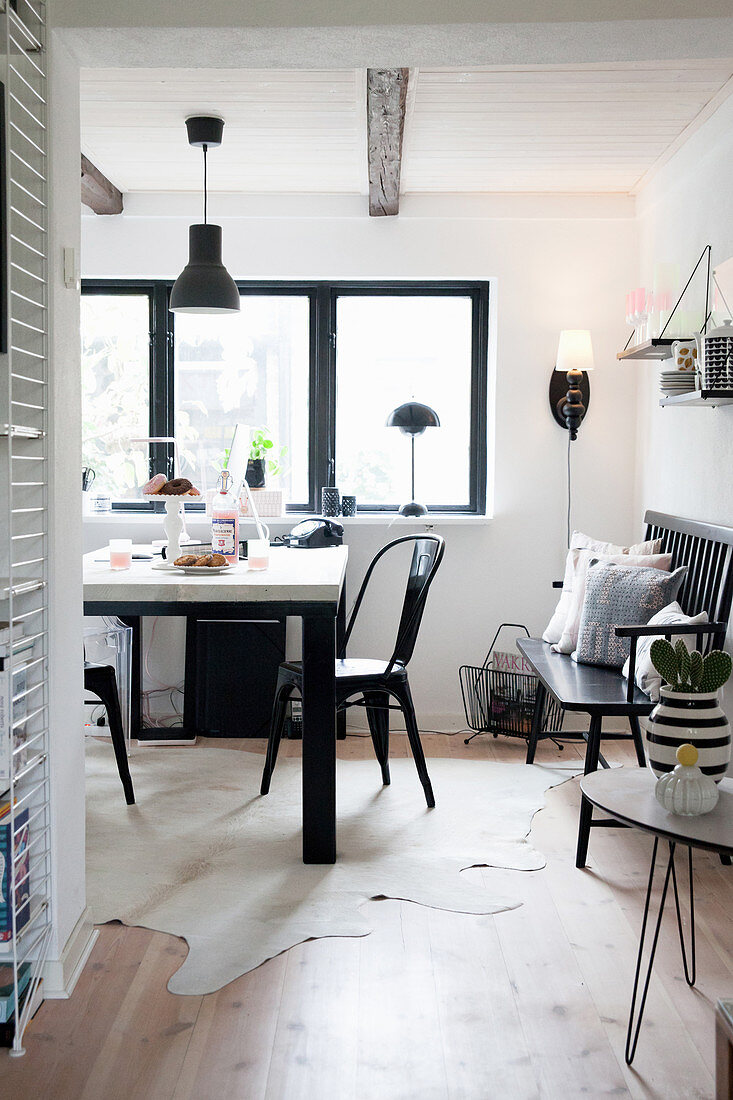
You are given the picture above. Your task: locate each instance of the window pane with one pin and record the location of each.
(250, 368)
(115, 338)
(391, 350)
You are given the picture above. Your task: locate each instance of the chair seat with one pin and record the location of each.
(357, 669)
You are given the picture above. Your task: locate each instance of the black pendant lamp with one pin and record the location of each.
(204, 285)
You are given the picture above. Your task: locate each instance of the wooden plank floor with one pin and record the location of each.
(433, 1005)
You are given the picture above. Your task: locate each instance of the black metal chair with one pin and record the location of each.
(375, 681)
(101, 680)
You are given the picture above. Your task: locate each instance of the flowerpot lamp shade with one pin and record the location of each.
(574, 350)
(413, 418)
(204, 285)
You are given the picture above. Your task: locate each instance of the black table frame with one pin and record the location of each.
(323, 622)
(688, 960)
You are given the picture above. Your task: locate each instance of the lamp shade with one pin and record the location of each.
(412, 418)
(574, 350)
(204, 285)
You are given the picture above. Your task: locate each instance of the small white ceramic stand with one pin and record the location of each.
(173, 527)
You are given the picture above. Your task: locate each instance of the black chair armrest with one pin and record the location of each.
(634, 632)
(646, 631)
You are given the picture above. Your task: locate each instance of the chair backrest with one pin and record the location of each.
(426, 557)
(707, 551)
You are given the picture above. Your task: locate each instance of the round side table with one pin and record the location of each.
(627, 795)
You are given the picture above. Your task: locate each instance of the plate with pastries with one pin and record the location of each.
(202, 564)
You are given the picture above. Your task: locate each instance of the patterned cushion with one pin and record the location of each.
(618, 596)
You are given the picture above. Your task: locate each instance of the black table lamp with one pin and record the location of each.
(412, 419)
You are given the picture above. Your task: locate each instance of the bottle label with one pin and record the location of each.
(223, 536)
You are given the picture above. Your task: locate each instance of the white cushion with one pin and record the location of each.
(579, 541)
(582, 559)
(647, 678)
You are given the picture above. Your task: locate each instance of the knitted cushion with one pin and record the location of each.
(618, 596)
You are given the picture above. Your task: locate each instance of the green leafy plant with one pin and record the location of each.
(683, 670)
(263, 447)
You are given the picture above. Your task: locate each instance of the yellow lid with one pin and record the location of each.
(687, 755)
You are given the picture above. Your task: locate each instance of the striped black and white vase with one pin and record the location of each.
(684, 718)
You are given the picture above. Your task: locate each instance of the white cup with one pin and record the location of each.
(258, 553)
(120, 553)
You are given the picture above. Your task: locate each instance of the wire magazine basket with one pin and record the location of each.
(499, 696)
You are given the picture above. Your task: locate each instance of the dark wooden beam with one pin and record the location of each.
(96, 190)
(386, 98)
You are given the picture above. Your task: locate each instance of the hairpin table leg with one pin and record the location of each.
(632, 1034)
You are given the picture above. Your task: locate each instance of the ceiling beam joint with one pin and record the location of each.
(386, 102)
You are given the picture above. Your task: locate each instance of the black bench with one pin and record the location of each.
(707, 551)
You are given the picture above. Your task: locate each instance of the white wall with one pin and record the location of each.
(554, 264)
(686, 455)
(65, 594)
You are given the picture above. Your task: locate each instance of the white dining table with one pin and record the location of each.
(309, 584)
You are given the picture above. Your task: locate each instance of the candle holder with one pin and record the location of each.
(173, 527)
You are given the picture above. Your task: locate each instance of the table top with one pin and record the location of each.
(293, 576)
(627, 794)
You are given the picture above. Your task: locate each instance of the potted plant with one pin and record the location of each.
(262, 459)
(688, 711)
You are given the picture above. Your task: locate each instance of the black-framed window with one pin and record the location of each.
(320, 364)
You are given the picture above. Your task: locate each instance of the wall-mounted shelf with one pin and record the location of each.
(699, 399)
(19, 431)
(656, 348)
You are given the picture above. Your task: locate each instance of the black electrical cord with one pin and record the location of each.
(205, 148)
(570, 501)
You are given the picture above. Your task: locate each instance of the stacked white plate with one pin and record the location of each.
(673, 382)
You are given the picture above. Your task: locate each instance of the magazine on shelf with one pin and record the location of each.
(20, 852)
(7, 1029)
(7, 988)
(13, 731)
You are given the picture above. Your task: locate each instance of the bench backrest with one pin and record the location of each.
(707, 551)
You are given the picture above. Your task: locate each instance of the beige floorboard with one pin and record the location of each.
(530, 1003)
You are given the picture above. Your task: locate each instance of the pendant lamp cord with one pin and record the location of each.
(569, 491)
(205, 184)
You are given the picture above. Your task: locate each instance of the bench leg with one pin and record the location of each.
(586, 808)
(638, 740)
(534, 735)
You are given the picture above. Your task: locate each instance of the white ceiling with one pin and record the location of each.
(582, 128)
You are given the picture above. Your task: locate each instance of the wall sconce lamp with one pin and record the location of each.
(570, 397)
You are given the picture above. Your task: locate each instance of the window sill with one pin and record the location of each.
(197, 520)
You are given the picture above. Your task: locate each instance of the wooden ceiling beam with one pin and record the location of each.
(386, 101)
(96, 190)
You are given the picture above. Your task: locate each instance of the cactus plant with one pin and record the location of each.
(696, 668)
(683, 661)
(716, 669)
(683, 670)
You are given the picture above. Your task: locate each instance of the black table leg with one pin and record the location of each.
(319, 739)
(340, 631)
(632, 1034)
(191, 669)
(136, 682)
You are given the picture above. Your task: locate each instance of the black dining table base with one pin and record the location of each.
(321, 622)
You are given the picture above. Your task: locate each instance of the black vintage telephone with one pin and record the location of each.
(312, 533)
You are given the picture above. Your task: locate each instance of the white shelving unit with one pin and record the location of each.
(24, 502)
(695, 400)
